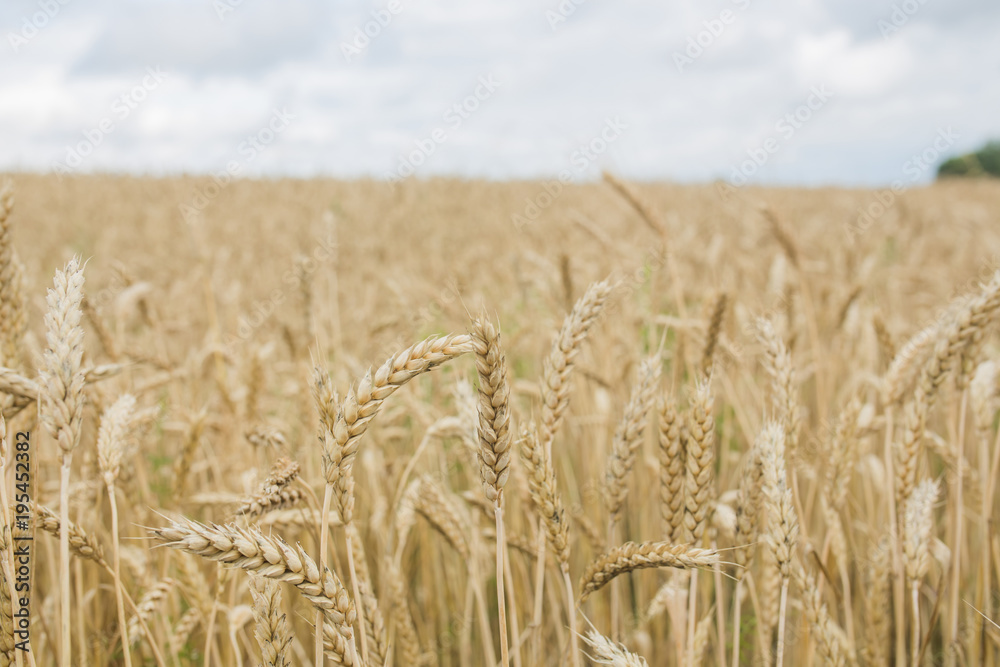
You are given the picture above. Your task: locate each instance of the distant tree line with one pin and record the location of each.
(984, 162)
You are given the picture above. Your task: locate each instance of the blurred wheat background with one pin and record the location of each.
(788, 407)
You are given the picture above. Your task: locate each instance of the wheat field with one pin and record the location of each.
(301, 422)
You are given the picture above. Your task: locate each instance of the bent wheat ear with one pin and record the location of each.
(631, 556)
(81, 543)
(271, 557)
(363, 403)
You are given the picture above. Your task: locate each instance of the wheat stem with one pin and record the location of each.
(781, 623)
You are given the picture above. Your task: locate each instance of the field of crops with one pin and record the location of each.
(302, 422)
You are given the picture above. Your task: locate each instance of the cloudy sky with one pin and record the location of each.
(799, 92)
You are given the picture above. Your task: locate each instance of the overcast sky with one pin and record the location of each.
(684, 91)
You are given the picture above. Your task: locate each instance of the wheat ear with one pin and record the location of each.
(271, 627)
(558, 366)
(62, 409)
(373, 620)
(406, 632)
(877, 613)
(778, 364)
(364, 401)
(7, 652)
(607, 652)
(628, 438)
(830, 638)
(672, 471)
(552, 515)
(13, 321)
(712, 335)
(748, 502)
(110, 446)
(783, 530)
(148, 604)
(274, 492)
(918, 526)
(494, 444)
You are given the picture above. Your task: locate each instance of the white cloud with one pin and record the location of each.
(558, 86)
